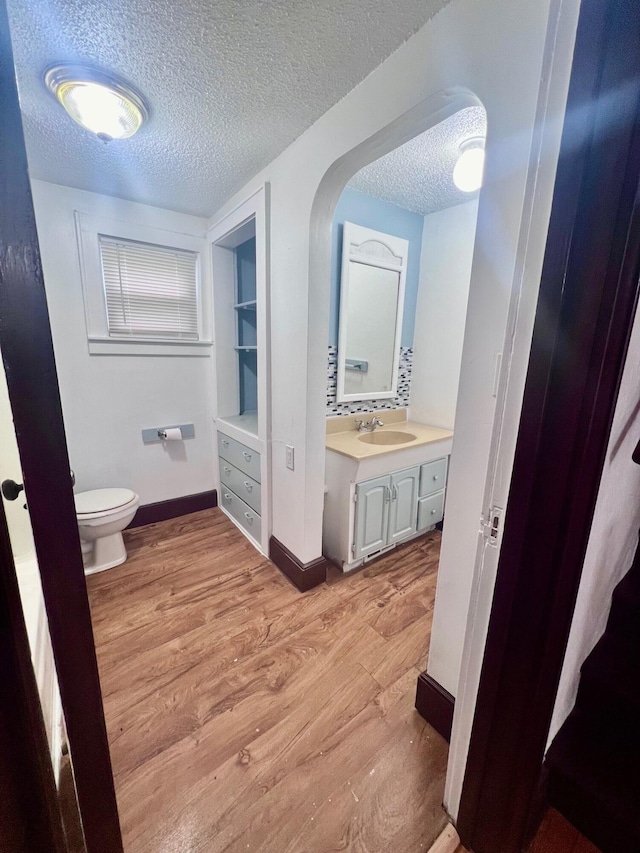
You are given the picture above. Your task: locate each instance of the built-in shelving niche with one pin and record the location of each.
(237, 304)
(246, 326)
(239, 258)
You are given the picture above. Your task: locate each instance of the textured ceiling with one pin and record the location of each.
(231, 83)
(419, 175)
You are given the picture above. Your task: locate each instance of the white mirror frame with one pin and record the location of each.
(366, 246)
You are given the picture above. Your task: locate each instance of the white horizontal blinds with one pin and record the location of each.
(151, 291)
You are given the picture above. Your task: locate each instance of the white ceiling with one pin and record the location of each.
(231, 84)
(419, 174)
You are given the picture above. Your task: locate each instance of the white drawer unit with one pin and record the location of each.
(241, 456)
(430, 510)
(241, 484)
(433, 476)
(245, 515)
(240, 489)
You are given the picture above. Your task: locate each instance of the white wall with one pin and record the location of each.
(448, 239)
(493, 49)
(496, 49)
(614, 535)
(108, 400)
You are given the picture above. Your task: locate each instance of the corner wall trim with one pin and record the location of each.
(174, 507)
(303, 575)
(435, 704)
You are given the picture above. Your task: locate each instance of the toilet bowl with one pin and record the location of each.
(102, 516)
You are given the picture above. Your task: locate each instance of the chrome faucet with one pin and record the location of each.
(369, 426)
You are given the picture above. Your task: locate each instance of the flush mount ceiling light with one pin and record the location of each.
(97, 101)
(467, 173)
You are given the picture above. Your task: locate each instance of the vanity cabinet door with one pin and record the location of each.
(403, 508)
(372, 516)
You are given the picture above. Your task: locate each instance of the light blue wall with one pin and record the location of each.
(354, 206)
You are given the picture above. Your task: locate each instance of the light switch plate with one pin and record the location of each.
(290, 462)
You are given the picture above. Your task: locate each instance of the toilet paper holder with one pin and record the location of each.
(155, 434)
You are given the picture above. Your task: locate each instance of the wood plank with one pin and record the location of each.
(447, 842)
(239, 710)
(406, 650)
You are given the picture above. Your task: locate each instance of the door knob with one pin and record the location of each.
(11, 489)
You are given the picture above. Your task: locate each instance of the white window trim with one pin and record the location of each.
(88, 229)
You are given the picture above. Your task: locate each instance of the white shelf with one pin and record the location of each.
(247, 422)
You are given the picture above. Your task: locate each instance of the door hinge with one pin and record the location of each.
(493, 525)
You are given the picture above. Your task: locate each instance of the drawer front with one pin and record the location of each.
(243, 457)
(430, 510)
(242, 484)
(433, 476)
(246, 517)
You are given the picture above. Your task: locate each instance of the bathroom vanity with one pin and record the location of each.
(382, 487)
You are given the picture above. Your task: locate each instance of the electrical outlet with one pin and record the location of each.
(289, 450)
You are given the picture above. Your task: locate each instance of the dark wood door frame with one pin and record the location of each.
(27, 352)
(585, 313)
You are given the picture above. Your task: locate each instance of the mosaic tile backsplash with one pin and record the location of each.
(399, 402)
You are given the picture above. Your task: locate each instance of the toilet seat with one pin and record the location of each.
(99, 502)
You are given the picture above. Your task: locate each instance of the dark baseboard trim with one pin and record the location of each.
(302, 575)
(435, 704)
(174, 507)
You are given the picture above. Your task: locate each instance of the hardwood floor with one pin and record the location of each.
(243, 715)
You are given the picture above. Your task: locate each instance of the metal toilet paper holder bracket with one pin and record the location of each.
(155, 434)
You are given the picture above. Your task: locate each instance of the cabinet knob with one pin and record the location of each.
(227, 497)
(249, 517)
(225, 443)
(433, 512)
(248, 486)
(247, 456)
(227, 470)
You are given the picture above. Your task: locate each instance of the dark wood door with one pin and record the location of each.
(586, 308)
(27, 353)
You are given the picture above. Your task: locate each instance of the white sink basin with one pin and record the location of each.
(388, 437)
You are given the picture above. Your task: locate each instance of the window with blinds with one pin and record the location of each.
(150, 291)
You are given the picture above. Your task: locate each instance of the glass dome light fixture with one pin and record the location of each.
(467, 173)
(97, 101)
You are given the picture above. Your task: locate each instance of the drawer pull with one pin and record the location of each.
(248, 486)
(433, 512)
(246, 455)
(225, 443)
(227, 496)
(435, 476)
(249, 517)
(227, 470)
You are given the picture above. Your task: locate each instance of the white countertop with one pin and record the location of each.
(343, 436)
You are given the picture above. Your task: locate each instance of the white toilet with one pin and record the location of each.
(102, 516)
